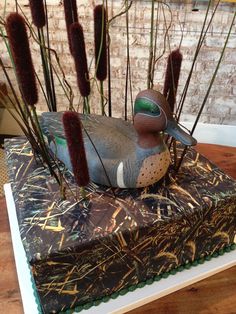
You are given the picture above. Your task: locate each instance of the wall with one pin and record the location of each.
(221, 105)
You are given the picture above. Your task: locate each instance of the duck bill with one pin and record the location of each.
(179, 134)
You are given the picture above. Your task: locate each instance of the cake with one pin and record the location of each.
(82, 252)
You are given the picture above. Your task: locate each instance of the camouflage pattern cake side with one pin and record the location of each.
(80, 251)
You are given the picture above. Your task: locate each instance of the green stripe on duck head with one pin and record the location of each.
(146, 106)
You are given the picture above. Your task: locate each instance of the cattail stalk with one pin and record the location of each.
(28, 127)
(51, 77)
(100, 48)
(128, 78)
(26, 117)
(108, 64)
(81, 66)
(172, 77)
(75, 143)
(37, 13)
(151, 59)
(19, 45)
(170, 87)
(46, 71)
(71, 16)
(39, 17)
(155, 46)
(20, 50)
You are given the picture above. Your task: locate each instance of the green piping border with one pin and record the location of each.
(35, 293)
(173, 271)
(115, 295)
(149, 281)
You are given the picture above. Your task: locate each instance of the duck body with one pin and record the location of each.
(119, 153)
(116, 141)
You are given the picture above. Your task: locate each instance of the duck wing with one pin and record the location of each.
(110, 136)
(51, 124)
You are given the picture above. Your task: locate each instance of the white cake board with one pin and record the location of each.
(124, 303)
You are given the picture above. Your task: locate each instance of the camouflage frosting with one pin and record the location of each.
(82, 250)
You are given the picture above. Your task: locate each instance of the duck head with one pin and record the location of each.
(152, 115)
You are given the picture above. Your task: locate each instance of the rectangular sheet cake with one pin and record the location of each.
(82, 252)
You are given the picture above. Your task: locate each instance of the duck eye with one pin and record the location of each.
(155, 110)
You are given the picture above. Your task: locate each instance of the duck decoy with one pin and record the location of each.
(134, 155)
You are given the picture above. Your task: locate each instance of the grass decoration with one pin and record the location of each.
(127, 4)
(25, 112)
(209, 88)
(108, 63)
(205, 27)
(50, 62)
(81, 66)
(75, 143)
(49, 68)
(155, 59)
(71, 16)
(40, 19)
(172, 77)
(128, 78)
(100, 48)
(19, 45)
(37, 13)
(151, 52)
(28, 122)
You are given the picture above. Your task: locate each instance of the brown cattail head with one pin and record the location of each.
(71, 16)
(172, 77)
(100, 42)
(19, 45)
(75, 143)
(79, 54)
(37, 12)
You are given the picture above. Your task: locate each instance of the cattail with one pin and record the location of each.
(19, 45)
(75, 143)
(71, 16)
(79, 54)
(172, 77)
(37, 13)
(100, 42)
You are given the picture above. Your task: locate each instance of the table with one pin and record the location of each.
(216, 294)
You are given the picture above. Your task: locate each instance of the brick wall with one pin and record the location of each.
(221, 105)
